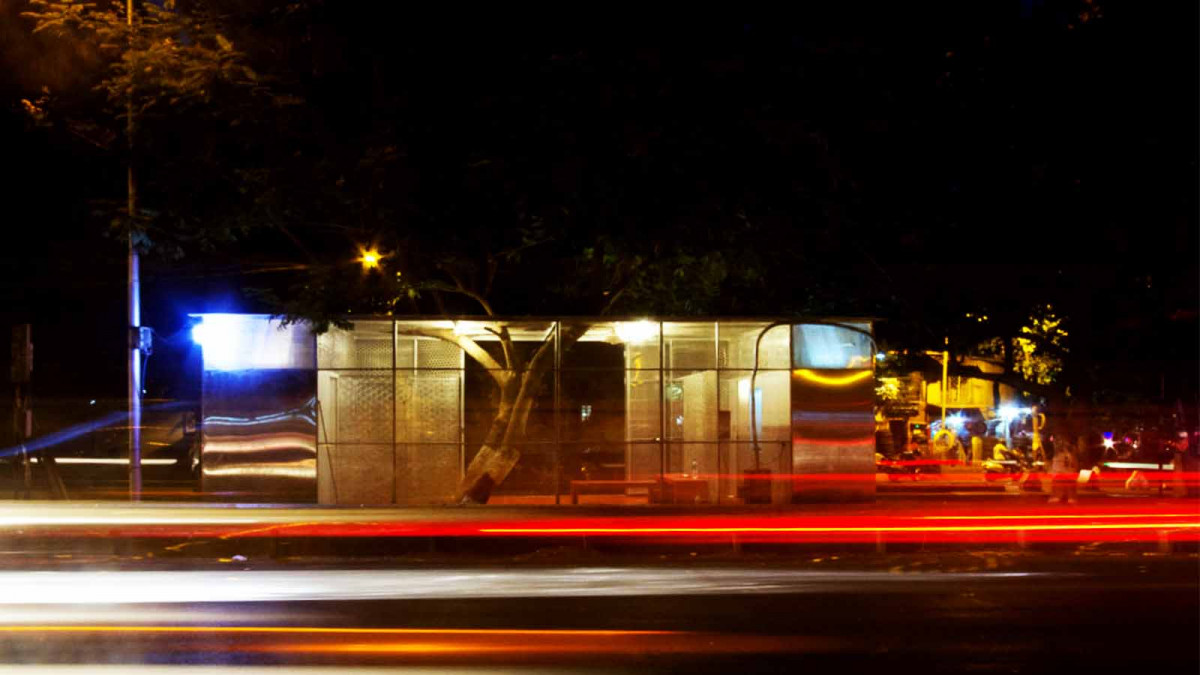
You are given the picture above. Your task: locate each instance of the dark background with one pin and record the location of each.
(911, 163)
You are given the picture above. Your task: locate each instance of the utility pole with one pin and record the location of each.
(21, 376)
(135, 304)
(21, 366)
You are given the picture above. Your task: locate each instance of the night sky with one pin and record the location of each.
(923, 157)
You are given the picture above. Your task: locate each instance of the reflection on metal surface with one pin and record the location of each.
(833, 432)
(832, 347)
(833, 380)
(259, 433)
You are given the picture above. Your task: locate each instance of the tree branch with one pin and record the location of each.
(466, 344)
(461, 288)
(505, 343)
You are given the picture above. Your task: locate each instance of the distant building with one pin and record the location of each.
(918, 400)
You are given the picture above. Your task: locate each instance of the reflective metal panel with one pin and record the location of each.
(259, 435)
(833, 434)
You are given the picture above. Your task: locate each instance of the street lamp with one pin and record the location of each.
(369, 258)
(944, 356)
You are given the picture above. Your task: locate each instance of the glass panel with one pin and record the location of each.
(739, 480)
(368, 344)
(428, 406)
(481, 403)
(518, 331)
(533, 475)
(593, 405)
(692, 429)
(737, 342)
(821, 346)
(596, 349)
(690, 344)
(638, 341)
(590, 462)
(434, 342)
(643, 461)
(594, 461)
(690, 398)
(696, 481)
(772, 405)
(643, 406)
(355, 474)
(427, 473)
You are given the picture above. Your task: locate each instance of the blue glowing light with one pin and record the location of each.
(245, 342)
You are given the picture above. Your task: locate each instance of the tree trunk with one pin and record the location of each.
(499, 453)
(494, 459)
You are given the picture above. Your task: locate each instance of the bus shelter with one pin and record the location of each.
(392, 411)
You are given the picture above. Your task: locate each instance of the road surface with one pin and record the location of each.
(931, 613)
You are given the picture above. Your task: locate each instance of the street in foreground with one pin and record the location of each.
(1108, 585)
(1028, 613)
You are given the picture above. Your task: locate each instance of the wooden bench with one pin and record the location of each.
(608, 487)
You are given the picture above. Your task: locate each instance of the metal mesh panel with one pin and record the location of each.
(405, 346)
(367, 345)
(372, 353)
(364, 407)
(355, 474)
(438, 354)
(427, 406)
(426, 473)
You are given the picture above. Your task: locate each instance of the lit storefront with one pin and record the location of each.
(630, 411)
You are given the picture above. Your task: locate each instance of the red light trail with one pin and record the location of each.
(986, 523)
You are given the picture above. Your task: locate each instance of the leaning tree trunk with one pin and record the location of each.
(499, 452)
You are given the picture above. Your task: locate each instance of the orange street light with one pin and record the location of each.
(369, 259)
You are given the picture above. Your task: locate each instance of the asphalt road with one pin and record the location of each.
(1127, 612)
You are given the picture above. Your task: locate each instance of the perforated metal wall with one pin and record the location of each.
(391, 416)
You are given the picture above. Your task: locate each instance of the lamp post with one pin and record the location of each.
(944, 356)
(134, 297)
(945, 379)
